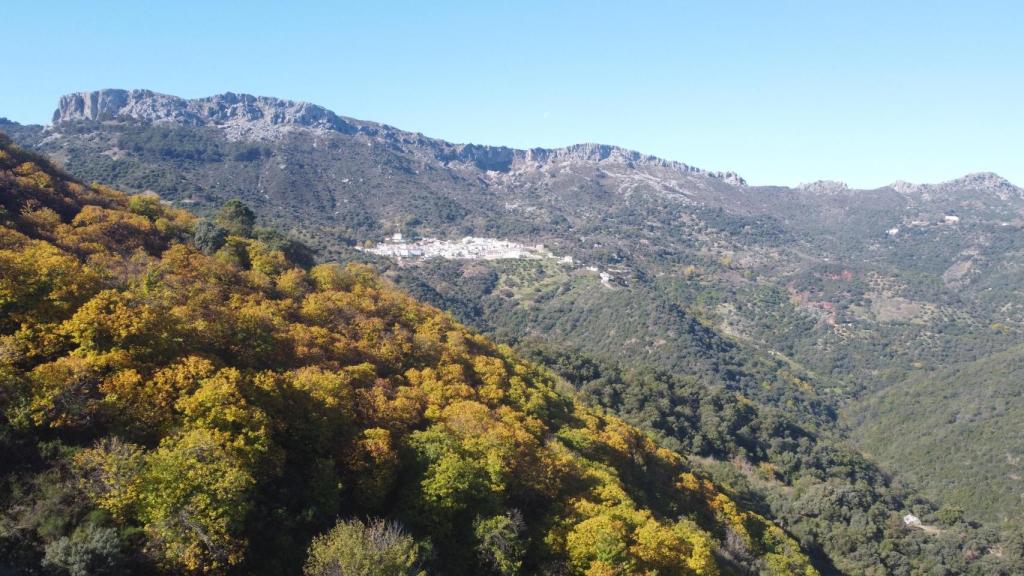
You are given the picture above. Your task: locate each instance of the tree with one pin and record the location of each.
(146, 204)
(352, 548)
(499, 542)
(296, 252)
(90, 550)
(950, 515)
(209, 237)
(452, 479)
(193, 498)
(237, 218)
(601, 541)
(376, 467)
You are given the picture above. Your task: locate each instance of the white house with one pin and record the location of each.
(912, 521)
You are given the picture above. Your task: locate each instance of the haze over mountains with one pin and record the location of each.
(849, 314)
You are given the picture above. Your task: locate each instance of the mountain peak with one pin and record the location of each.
(986, 181)
(982, 181)
(825, 187)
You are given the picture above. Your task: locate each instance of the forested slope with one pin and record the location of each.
(181, 397)
(838, 503)
(961, 441)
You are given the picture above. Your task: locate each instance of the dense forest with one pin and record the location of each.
(192, 396)
(838, 504)
(966, 437)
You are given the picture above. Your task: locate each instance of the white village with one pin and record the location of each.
(473, 248)
(469, 248)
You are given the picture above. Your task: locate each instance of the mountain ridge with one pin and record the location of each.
(244, 116)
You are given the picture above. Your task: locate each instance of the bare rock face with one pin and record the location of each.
(502, 159)
(240, 115)
(825, 187)
(904, 187)
(598, 153)
(90, 105)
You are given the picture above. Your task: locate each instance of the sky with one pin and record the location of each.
(782, 92)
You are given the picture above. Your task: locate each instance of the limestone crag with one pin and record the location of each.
(240, 114)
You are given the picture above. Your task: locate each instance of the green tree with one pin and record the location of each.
(237, 218)
(147, 205)
(499, 542)
(194, 495)
(209, 237)
(950, 515)
(353, 548)
(91, 550)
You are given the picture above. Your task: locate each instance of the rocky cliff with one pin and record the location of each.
(252, 114)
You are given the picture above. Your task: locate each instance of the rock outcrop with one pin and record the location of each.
(255, 116)
(825, 187)
(974, 182)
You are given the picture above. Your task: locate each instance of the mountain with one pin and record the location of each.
(173, 404)
(809, 303)
(242, 116)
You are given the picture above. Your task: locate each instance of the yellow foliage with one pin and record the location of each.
(600, 543)
(64, 391)
(150, 402)
(31, 175)
(375, 466)
(192, 501)
(110, 473)
(219, 405)
(294, 284)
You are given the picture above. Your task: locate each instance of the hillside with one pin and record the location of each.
(964, 438)
(180, 397)
(791, 304)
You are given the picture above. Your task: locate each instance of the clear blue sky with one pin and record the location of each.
(781, 92)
